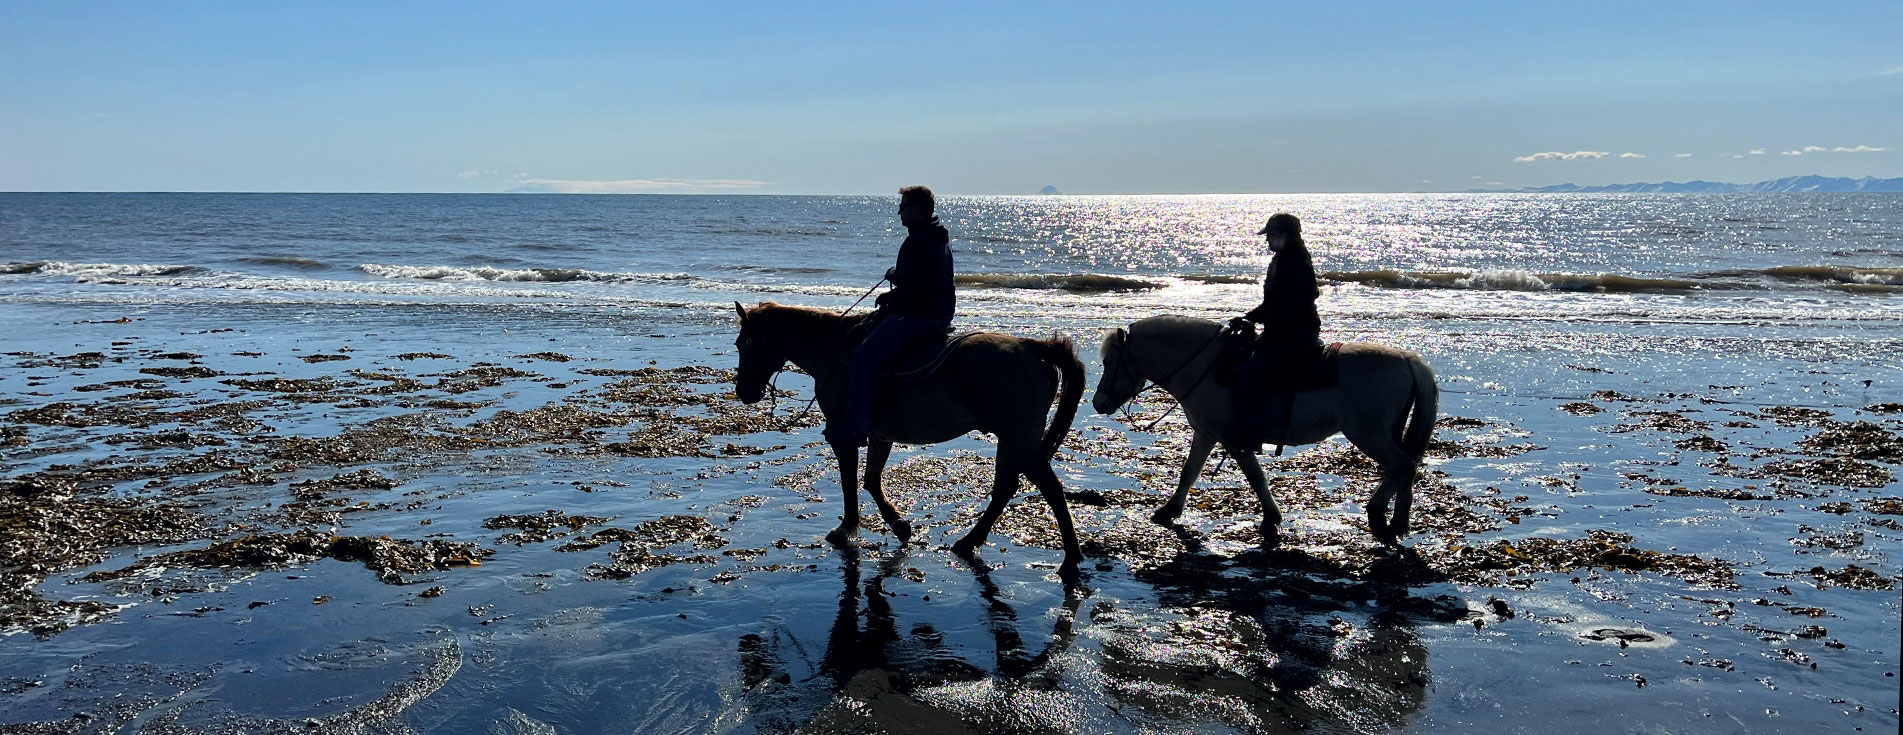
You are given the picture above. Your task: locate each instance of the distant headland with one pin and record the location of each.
(1786, 185)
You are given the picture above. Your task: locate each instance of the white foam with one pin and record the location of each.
(521, 275)
(100, 270)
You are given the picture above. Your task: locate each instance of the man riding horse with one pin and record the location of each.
(992, 383)
(1290, 344)
(921, 302)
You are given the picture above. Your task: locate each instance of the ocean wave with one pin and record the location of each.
(1839, 274)
(1218, 278)
(1071, 282)
(1868, 288)
(529, 275)
(97, 270)
(1517, 280)
(789, 269)
(284, 261)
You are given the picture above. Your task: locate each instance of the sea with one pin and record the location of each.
(1714, 308)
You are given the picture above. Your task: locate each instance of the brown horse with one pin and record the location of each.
(994, 383)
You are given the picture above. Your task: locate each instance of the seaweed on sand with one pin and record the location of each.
(540, 526)
(1492, 563)
(640, 547)
(1857, 440)
(391, 559)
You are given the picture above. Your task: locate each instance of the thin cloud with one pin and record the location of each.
(1890, 71)
(1681, 155)
(1560, 156)
(1757, 151)
(1806, 149)
(638, 186)
(1630, 154)
(1859, 149)
(471, 174)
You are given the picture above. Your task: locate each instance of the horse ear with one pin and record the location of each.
(741, 310)
(1121, 335)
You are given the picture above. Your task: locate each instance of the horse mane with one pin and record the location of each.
(804, 318)
(1167, 327)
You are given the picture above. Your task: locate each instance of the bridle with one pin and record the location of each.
(773, 380)
(1130, 366)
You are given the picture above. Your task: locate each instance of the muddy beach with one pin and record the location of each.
(209, 530)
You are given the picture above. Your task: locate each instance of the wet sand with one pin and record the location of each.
(214, 530)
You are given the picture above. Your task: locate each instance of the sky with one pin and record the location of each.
(969, 98)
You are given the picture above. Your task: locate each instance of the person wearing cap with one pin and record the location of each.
(1291, 328)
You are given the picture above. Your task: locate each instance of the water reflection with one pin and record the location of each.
(1262, 644)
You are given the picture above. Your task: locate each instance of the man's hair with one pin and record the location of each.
(917, 195)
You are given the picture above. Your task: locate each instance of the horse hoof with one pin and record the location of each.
(1165, 516)
(842, 536)
(1068, 571)
(965, 547)
(901, 530)
(1271, 535)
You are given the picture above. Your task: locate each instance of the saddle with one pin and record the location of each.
(1291, 376)
(1316, 374)
(919, 361)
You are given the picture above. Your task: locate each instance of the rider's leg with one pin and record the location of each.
(878, 348)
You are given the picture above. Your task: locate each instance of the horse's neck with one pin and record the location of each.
(815, 360)
(1178, 361)
(817, 342)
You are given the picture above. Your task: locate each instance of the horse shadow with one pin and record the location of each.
(1267, 635)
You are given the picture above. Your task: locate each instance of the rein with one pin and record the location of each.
(1172, 374)
(773, 387)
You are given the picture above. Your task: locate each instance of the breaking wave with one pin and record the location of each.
(1075, 282)
(284, 261)
(1220, 278)
(1839, 274)
(1516, 280)
(535, 275)
(96, 270)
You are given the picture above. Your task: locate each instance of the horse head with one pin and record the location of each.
(1120, 381)
(761, 354)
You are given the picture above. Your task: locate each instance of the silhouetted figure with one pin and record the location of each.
(921, 302)
(1290, 344)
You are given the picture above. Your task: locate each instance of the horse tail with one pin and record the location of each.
(1425, 396)
(1061, 353)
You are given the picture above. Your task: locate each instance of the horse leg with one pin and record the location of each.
(1004, 486)
(1199, 445)
(1397, 486)
(848, 528)
(877, 452)
(1271, 514)
(1403, 480)
(1053, 491)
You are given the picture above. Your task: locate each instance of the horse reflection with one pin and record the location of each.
(1253, 651)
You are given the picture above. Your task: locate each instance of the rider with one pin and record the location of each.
(1291, 329)
(920, 302)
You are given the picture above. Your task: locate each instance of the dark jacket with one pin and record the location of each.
(922, 281)
(1288, 294)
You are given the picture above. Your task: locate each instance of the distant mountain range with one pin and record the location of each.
(1788, 184)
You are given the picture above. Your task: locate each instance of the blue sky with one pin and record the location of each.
(975, 98)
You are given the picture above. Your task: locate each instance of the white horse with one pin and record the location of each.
(1377, 388)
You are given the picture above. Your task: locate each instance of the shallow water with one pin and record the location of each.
(1187, 630)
